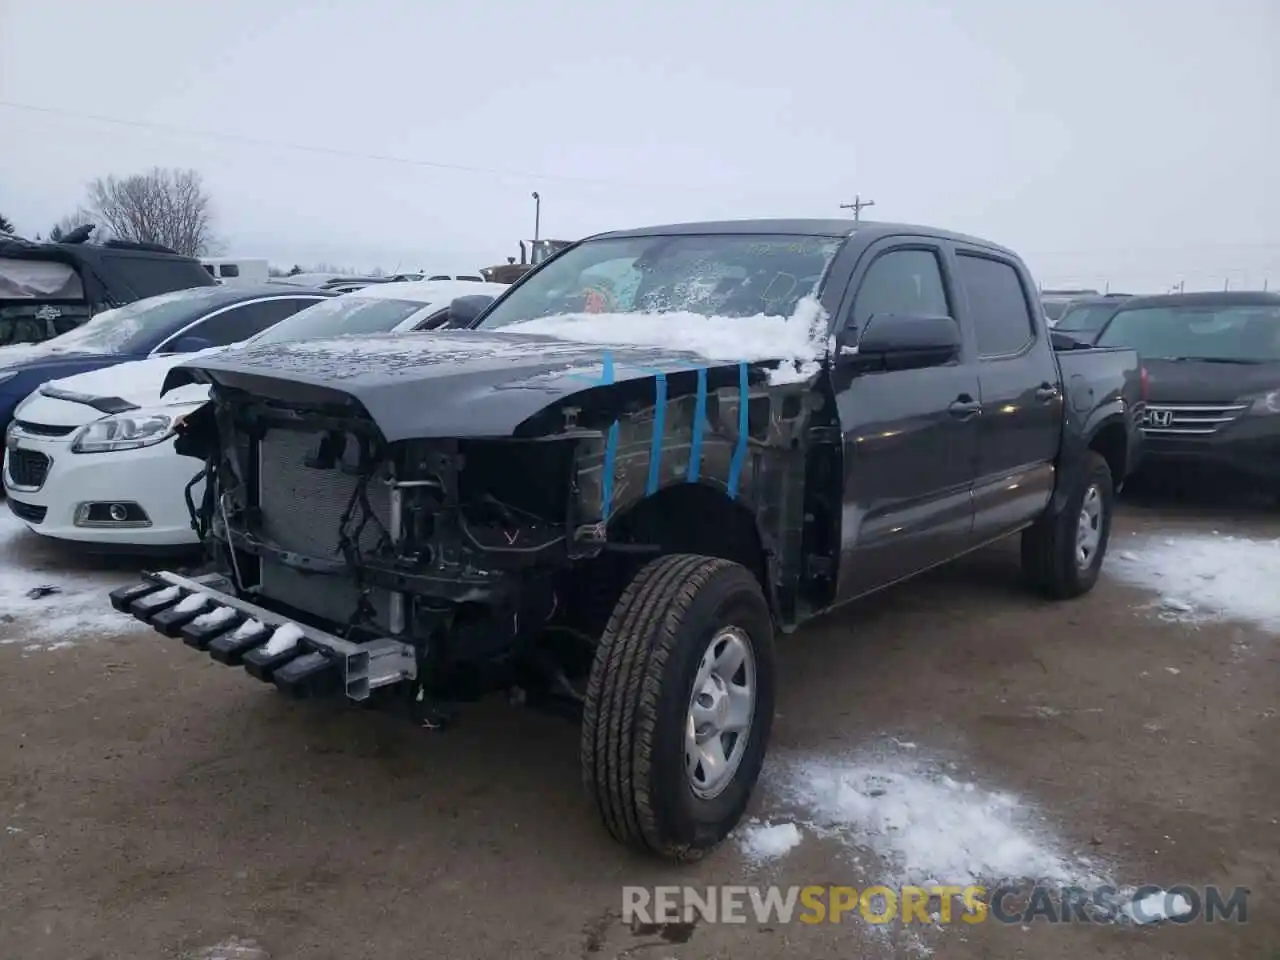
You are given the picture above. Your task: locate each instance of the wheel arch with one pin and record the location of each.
(703, 519)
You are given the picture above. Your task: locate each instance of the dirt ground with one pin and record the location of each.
(154, 803)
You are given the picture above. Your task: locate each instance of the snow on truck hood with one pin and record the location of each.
(138, 383)
(489, 382)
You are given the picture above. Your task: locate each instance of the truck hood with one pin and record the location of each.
(1200, 381)
(85, 397)
(441, 384)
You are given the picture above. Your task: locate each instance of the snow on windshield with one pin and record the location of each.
(724, 296)
(113, 331)
(799, 341)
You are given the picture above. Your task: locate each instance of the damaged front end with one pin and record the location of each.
(354, 559)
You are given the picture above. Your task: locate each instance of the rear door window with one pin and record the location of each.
(1002, 317)
(244, 321)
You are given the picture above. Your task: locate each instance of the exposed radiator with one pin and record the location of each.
(301, 510)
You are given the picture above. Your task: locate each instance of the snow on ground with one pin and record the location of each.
(799, 340)
(920, 823)
(1205, 577)
(79, 609)
(766, 841)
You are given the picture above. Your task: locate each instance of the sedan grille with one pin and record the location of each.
(27, 468)
(1188, 419)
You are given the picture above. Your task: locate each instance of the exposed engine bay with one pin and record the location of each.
(495, 560)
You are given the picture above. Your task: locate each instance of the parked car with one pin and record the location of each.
(92, 456)
(564, 503)
(1084, 317)
(178, 322)
(1213, 361)
(48, 289)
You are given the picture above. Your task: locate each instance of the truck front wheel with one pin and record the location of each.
(1062, 553)
(679, 706)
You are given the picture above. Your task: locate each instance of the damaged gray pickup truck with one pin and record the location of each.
(584, 496)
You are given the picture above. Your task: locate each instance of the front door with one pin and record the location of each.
(910, 437)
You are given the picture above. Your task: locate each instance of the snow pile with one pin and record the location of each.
(248, 629)
(213, 618)
(1155, 908)
(799, 341)
(767, 841)
(60, 605)
(284, 638)
(1207, 577)
(192, 603)
(926, 827)
(164, 596)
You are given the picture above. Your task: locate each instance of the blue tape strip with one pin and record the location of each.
(610, 447)
(740, 451)
(659, 430)
(699, 417)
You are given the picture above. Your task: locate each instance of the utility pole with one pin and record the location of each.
(537, 215)
(857, 205)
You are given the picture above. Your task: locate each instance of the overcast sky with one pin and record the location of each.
(1120, 140)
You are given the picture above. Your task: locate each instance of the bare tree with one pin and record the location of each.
(6, 225)
(164, 206)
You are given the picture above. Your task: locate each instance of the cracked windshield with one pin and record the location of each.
(727, 276)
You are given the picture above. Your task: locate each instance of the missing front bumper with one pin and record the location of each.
(207, 616)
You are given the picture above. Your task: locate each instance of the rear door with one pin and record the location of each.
(1022, 410)
(910, 436)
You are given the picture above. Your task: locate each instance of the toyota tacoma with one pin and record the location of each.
(608, 491)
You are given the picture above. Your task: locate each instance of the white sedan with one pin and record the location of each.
(113, 479)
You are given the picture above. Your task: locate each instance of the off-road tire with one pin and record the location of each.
(638, 698)
(1049, 545)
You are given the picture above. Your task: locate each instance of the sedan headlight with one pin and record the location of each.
(128, 431)
(1267, 404)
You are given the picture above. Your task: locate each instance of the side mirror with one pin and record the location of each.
(900, 342)
(463, 311)
(190, 344)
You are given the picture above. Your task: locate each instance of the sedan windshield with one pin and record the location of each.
(340, 316)
(1231, 334)
(135, 327)
(719, 275)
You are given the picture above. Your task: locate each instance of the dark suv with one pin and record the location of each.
(47, 289)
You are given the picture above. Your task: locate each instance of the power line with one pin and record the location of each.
(328, 151)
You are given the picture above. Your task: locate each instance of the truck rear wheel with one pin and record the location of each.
(679, 706)
(1062, 553)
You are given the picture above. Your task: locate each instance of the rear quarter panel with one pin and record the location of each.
(1102, 387)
